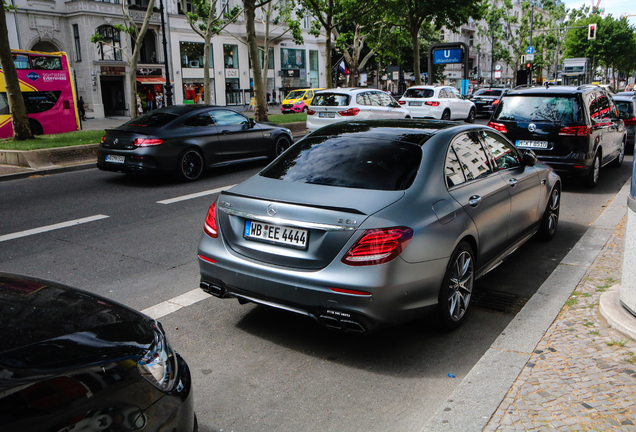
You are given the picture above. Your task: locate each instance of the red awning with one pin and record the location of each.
(151, 80)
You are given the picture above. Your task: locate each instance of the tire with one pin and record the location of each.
(591, 179)
(446, 115)
(616, 163)
(36, 127)
(304, 110)
(550, 218)
(191, 165)
(471, 116)
(281, 145)
(456, 290)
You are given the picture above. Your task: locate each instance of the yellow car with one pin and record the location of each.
(298, 100)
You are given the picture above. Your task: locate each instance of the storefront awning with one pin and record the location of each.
(151, 80)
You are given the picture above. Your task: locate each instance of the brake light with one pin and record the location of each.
(495, 102)
(210, 227)
(498, 126)
(583, 131)
(401, 102)
(103, 139)
(431, 103)
(377, 246)
(147, 142)
(310, 112)
(630, 122)
(349, 112)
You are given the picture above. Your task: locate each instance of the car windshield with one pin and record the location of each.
(362, 163)
(419, 93)
(560, 110)
(487, 92)
(331, 99)
(152, 119)
(296, 94)
(625, 109)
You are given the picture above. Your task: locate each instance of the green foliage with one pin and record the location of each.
(54, 140)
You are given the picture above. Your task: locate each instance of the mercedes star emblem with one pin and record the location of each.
(532, 127)
(116, 141)
(271, 209)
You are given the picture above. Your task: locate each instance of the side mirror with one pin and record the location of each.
(529, 158)
(251, 123)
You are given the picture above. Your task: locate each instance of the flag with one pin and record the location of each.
(343, 68)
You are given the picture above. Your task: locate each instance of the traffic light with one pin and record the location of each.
(529, 66)
(591, 31)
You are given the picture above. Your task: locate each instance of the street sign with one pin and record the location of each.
(529, 57)
(447, 56)
(530, 50)
(497, 74)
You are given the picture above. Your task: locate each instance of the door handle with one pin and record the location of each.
(474, 200)
(513, 182)
(225, 132)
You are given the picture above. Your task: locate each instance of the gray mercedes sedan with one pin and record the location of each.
(366, 224)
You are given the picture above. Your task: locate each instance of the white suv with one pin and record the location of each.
(342, 104)
(438, 102)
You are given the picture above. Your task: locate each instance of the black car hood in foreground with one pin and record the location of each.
(48, 326)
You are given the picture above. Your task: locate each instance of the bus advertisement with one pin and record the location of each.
(47, 87)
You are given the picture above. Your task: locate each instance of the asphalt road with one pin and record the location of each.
(256, 369)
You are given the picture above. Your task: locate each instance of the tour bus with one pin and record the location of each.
(47, 86)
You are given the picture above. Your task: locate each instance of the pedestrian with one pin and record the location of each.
(274, 96)
(159, 100)
(140, 109)
(150, 97)
(82, 108)
(269, 98)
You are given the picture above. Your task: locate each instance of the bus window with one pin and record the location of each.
(37, 102)
(46, 63)
(21, 61)
(4, 104)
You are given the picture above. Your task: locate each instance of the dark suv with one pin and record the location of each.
(576, 130)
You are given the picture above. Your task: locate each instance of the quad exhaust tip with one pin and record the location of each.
(341, 324)
(212, 289)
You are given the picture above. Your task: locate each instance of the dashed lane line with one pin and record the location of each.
(53, 227)
(194, 195)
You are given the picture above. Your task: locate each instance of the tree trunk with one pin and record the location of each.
(260, 109)
(19, 118)
(139, 39)
(415, 41)
(207, 40)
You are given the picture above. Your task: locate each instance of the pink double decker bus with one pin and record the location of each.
(47, 87)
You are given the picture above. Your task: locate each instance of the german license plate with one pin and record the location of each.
(327, 115)
(276, 234)
(115, 158)
(415, 103)
(532, 144)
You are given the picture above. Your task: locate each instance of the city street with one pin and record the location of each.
(134, 240)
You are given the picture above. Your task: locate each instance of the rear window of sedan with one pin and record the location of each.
(152, 119)
(361, 163)
(546, 109)
(418, 93)
(331, 99)
(488, 92)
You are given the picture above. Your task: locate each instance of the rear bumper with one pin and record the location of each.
(133, 164)
(568, 166)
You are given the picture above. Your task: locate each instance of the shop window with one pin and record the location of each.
(270, 57)
(230, 56)
(192, 54)
(292, 58)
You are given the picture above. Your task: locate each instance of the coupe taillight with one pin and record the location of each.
(103, 139)
(495, 102)
(630, 122)
(582, 131)
(431, 103)
(310, 112)
(210, 227)
(401, 102)
(349, 112)
(147, 142)
(498, 126)
(377, 246)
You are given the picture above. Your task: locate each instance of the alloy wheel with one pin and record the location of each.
(191, 165)
(461, 286)
(553, 209)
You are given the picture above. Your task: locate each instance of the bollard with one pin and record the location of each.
(628, 282)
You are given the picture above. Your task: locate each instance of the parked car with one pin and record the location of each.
(346, 104)
(71, 360)
(626, 93)
(627, 111)
(486, 99)
(187, 139)
(438, 102)
(576, 130)
(365, 224)
(298, 100)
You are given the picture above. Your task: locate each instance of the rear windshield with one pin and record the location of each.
(419, 93)
(625, 109)
(331, 99)
(360, 163)
(547, 109)
(152, 119)
(488, 92)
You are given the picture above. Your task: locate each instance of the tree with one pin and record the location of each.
(137, 37)
(19, 117)
(324, 11)
(206, 22)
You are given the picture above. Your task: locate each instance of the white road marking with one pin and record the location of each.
(33, 231)
(174, 304)
(194, 195)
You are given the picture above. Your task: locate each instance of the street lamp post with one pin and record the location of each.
(168, 85)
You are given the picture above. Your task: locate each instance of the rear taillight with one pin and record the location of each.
(431, 103)
(630, 122)
(349, 112)
(498, 126)
(377, 246)
(401, 102)
(147, 142)
(210, 227)
(103, 139)
(310, 112)
(495, 102)
(583, 131)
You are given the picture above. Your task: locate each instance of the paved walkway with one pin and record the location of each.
(582, 375)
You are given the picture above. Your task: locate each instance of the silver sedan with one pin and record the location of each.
(366, 224)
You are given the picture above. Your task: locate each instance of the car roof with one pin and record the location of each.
(624, 98)
(348, 89)
(184, 109)
(557, 90)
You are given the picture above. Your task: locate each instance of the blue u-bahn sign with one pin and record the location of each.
(447, 56)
